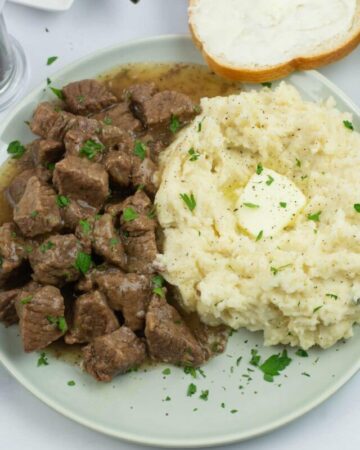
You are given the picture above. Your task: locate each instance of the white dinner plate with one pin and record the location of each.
(46, 5)
(136, 406)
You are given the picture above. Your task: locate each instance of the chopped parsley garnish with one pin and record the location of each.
(222, 405)
(259, 169)
(255, 357)
(83, 262)
(45, 246)
(305, 374)
(357, 207)
(194, 155)
(348, 124)
(302, 353)
(140, 150)
(62, 201)
(267, 84)
(298, 162)
(276, 270)
(283, 204)
(251, 205)
(191, 390)
(129, 214)
(317, 308)
(270, 180)
(335, 297)
(58, 92)
(200, 125)
(113, 241)
(43, 360)
(189, 370)
(174, 124)
(48, 81)
(204, 395)
(166, 371)
(158, 281)
(60, 322)
(140, 187)
(51, 60)
(91, 148)
(167, 398)
(107, 120)
(16, 149)
(259, 236)
(274, 365)
(85, 226)
(33, 214)
(238, 360)
(314, 217)
(50, 166)
(234, 411)
(26, 300)
(189, 201)
(152, 213)
(80, 98)
(71, 383)
(159, 291)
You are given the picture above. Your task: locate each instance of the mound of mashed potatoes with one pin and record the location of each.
(301, 285)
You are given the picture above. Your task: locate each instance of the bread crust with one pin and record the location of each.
(248, 75)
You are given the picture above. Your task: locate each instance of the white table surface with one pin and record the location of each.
(90, 25)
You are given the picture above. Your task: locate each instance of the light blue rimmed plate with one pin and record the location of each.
(152, 408)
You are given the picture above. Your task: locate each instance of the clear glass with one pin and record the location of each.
(13, 66)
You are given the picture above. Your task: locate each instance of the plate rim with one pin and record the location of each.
(132, 437)
(41, 4)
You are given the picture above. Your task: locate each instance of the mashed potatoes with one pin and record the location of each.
(301, 286)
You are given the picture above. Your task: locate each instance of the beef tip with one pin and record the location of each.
(8, 314)
(116, 139)
(92, 317)
(88, 281)
(157, 111)
(37, 212)
(119, 167)
(41, 316)
(106, 241)
(120, 116)
(87, 96)
(54, 261)
(138, 94)
(16, 189)
(45, 151)
(80, 179)
(80, 143)
(113, 353)
(128, 293)
(137, 214)
(168, 338)
(143, 173)
(141, 252)
(12, 251)
(43, 119)
(76, 211)
(60, 126)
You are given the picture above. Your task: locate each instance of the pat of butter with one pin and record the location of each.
(268, 203)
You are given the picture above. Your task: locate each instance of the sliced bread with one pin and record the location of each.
(263, 40)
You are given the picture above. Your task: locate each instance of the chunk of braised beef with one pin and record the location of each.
(45, 151)
(60, 126)
(41, 315)
(116, 138)
(8, 314)
(76, 211)
(79, 143)
(143, 174)
(128, 293)
(87, 96)
(137, 214)
(92, 317)
(16, 188)
(37, 211)
(113, 354)
(137, 94)
(158, 111)
(43, 119)
(12, 251)
(88, 281)
(80, 179)
(168, 338)
(119, 167)
(106, 241)
(141, 251)
(54, 260)
(120, 116)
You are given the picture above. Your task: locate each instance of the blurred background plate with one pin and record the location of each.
(47, 5)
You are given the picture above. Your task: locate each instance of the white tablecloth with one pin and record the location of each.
(90, 25)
